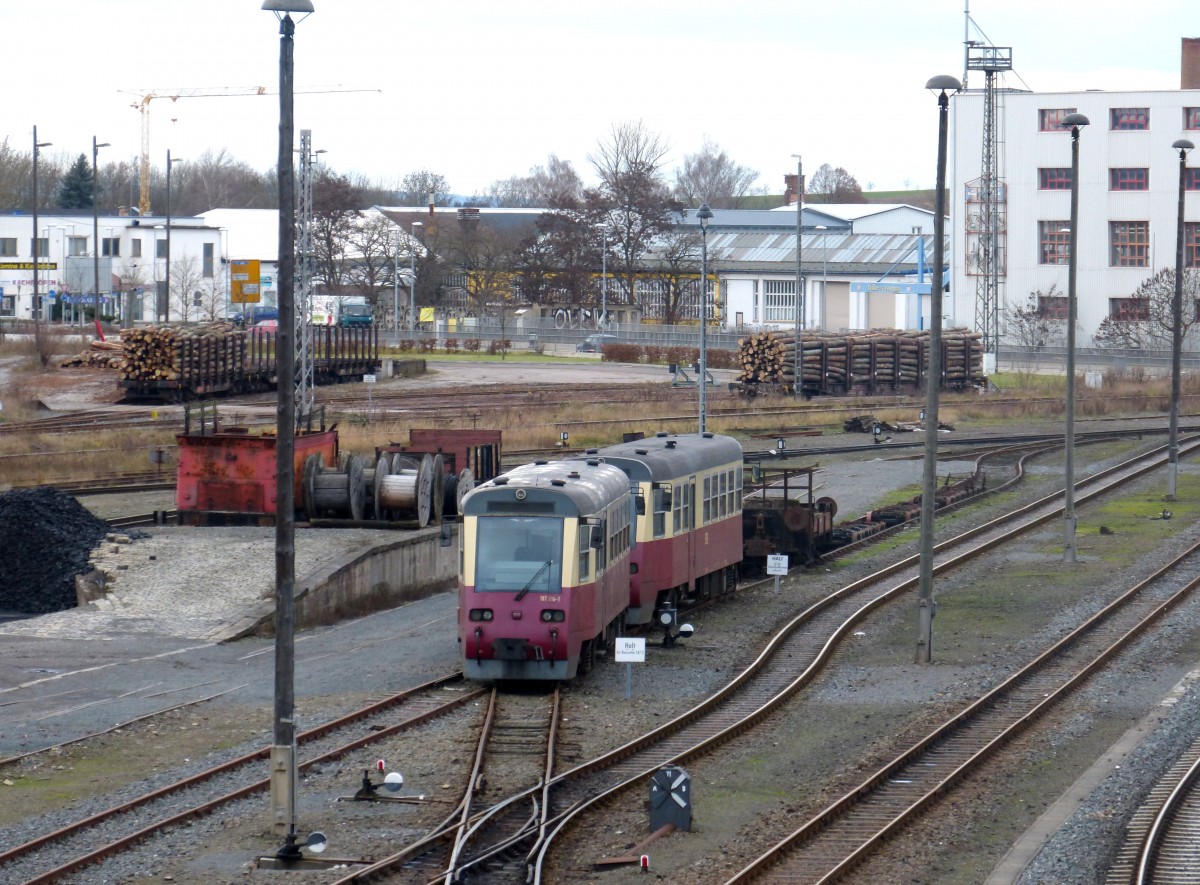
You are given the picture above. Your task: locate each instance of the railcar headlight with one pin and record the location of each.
(553, 614)
(481, 614)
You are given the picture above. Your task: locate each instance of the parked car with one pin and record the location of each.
(593, 343)
(255, 315)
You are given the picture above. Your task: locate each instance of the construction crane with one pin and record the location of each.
(147, 96)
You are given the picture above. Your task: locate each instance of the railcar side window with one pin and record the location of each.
(689, 504)
(724, 503)
(660, 516)
(707, 499)
(585, 561)
(677, 510)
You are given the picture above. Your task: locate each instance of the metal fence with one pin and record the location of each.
(541, 333)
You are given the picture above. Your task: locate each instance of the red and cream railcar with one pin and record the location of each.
(689, 540)
(543, 569)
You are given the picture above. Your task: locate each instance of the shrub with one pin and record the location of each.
(620, 353)
(499, 345)
(426, 345)
(471, 345)
(451, 345)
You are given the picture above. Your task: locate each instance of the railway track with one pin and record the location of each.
(54, 856)
(829, 845)
(1161, 839)
(789, 662)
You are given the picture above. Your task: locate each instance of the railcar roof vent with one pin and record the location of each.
(592, 452)
(662, 434)
(560, 482)
(641, 451)
(541, 462)
(672, 443)
(708, 434)
(574, 474)
(501, 480)
(593, 462)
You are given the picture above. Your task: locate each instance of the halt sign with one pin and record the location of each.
(631, 649)
(777, 564)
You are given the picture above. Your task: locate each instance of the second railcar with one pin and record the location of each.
(543, 569)
(689, 541)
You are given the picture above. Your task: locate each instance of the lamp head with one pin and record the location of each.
(1074, 121)
(943, 83)
(283, 7)
(705, 215)
(1182, 145)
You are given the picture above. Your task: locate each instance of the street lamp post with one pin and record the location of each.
(1183, 146)
(283, 751)
(167, 299)
(603, 228)
(824, 274)
(1076, 122)
(798, 386)
(96, 234)
(396, 290)
(37, 306)
(705, 215)
(412, 286)
(933, 380)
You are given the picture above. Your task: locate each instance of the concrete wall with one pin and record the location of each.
(384, 576)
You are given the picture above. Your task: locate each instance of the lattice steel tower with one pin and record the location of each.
(305, 262)
(986, 218)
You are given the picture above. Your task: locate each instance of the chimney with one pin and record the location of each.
(1190, 65)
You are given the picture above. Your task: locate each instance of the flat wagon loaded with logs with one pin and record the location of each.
(874, 362)
(178, 363)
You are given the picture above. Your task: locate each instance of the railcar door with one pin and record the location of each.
(692, 522)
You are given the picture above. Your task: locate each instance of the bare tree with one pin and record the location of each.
(671, 276)
(216, 180)
(829, 185)
(632, 202)
(1153, 303)
(186, 283)
(555, 182)
(423, 186)
(1030, 325)
(371, 268)
(710, 176)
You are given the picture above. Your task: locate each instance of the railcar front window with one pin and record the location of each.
(512, 551)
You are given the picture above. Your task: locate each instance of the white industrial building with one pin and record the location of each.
(1128, 198)
(132, 267)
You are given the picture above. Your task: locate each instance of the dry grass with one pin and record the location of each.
(56, 457)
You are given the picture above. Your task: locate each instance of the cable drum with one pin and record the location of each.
(370, 495)
(455, 488)
(334, 492)
(408, 492)
(437, 496)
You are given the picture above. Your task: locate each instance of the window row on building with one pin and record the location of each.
(110, 247)
(1119, 119)
(1128, 243)
(1054, 307)
(1119, 179)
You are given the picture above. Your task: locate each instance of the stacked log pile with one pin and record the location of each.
(99, 355)
(859, 363)
(170, 353)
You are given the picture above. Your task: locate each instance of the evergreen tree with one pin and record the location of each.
(77, 189)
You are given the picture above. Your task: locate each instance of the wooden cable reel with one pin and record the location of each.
(456, 488)
(407, 493)
(334, 492)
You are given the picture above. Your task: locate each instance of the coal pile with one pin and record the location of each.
(48, 537)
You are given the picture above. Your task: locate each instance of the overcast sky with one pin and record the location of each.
(480, 90)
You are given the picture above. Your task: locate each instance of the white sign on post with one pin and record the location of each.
(631, 649)
(777, 564)
(368, 379)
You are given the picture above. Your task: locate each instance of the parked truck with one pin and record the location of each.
(347, 311)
